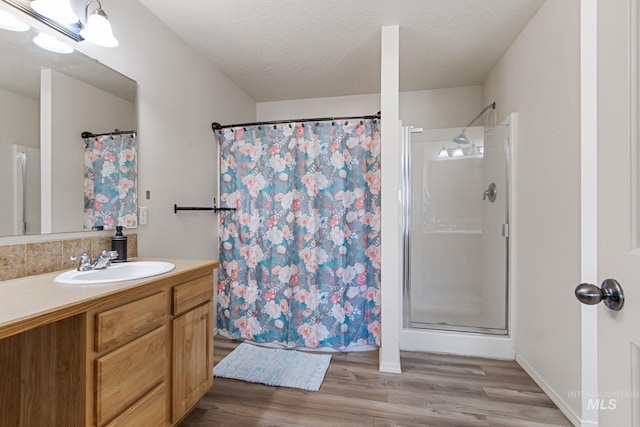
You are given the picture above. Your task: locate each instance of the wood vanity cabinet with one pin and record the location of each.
(154, 355)
(142, 356)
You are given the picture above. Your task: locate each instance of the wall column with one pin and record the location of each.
(391, 226)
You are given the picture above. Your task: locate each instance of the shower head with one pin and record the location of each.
(462, 138)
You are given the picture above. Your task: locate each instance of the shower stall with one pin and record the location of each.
(456, 240)
(26, 190)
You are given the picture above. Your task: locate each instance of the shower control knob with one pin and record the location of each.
(490, 193)
(610, 292)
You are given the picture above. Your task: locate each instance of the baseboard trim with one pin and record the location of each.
(391, 368)
(560, 403)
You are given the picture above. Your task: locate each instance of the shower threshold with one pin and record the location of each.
(458, 328)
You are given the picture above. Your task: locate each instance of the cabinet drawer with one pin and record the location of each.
(192, 293)
(127, 373)
(149, 411)
(129, 321)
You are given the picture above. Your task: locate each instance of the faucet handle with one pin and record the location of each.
(82, 257)
(109, 254)
(85, 261)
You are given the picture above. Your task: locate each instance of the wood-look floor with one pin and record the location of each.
(433, 390)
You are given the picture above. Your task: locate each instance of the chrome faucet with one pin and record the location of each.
(102, 261)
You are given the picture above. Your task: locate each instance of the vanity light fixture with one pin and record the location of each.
(473, 151)
(444, 154)
(97, 28)
(11, 23)
(51, 44)
(58, 10)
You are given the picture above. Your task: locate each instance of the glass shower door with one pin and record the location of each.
(456, 230)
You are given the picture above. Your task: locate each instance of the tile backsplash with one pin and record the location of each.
(29, 259)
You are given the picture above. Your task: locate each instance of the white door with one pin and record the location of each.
(618, 398)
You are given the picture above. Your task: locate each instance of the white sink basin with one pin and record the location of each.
(115, 273)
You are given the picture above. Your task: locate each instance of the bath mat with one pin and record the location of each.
(275, 367)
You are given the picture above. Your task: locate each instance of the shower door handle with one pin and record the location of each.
(490, 193)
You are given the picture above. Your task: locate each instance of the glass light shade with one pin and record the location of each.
(51, 44)
(443, 153)
(97, 30)
(11, 23)
(58, 10)
(458, 152)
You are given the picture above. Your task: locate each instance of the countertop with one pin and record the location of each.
(31, 301)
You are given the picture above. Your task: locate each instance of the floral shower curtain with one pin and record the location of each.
(300, 256)
(110, 177)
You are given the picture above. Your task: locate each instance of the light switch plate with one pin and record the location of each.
(144, 215)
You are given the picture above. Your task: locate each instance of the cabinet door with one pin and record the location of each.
(192, 358)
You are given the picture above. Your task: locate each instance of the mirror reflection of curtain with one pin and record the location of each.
(300, 257)
(110, 181)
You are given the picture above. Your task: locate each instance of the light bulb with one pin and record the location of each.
(11, 23)
(97, 30)
(443, 153)
(51, 44)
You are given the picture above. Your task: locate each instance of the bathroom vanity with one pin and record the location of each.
(133, 353)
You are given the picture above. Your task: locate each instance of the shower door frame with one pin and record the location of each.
(406, 247)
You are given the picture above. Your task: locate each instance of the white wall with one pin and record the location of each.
(319, 107)
(179, 96)
(70, 107)
(440, 108)
(24, 116)
(539, 78)
(430, 109)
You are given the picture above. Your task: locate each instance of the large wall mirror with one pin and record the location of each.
(46, 101)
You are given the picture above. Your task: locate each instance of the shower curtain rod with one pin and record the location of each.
(217, 126)
(87, 134)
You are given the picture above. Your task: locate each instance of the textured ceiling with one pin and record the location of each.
(293, 49)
